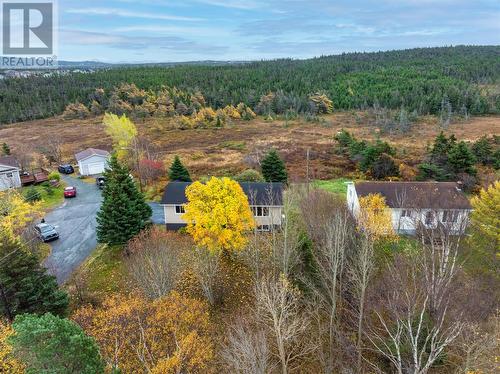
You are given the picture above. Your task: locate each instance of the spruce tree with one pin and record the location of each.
(273, 168)
(124, 212)
(25, 286)
(440, 149)
(5, 149)
(178, 172)
(461, 159)
(483, 151)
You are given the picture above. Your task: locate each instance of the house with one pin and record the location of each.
(416, 204)
(265, 199)
(92, 161)
(10, 173)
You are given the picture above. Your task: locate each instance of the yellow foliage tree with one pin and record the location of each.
(218, 214)
(8, 363)
(168, 335)
(15, 212)
(322, 102)
(205, 116)
(485, 218)
(375, 217)
(123, 132)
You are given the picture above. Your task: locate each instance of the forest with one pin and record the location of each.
(461, 80)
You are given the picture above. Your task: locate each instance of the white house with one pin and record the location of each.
(10, 173)
(92, 161)
(413, 204)
(265, 199)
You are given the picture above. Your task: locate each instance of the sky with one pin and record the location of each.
(190, 30)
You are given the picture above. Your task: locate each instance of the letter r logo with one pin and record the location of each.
(28, 28)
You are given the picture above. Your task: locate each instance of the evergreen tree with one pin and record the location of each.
(48, 345)
(440, 149)
(123, 213)
(384, 167)
(483, 151)
(25, 286)
(178, 172)
(461, 159)
(5, 149)
(273, 168)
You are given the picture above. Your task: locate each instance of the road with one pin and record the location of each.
(75, 220)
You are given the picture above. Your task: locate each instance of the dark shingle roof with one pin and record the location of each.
(90, 152)
(258, 193)
(417, 195)
(9, 161)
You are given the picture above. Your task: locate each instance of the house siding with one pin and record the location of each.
(406, 225)
(7, 182)
(174, 220)
(84, 164)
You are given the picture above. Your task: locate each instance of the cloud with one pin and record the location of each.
(174, 43)
(235, 4)
(130, 14)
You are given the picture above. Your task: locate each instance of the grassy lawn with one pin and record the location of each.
(336, 186)
(49, 200)
(104, 271)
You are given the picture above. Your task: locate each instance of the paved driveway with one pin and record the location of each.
(76, 223)
(75, 220)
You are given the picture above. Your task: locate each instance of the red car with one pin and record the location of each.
(70, 191)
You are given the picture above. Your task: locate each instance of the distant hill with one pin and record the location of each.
(462, 79)
(98, 65)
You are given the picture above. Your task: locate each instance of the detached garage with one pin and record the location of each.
(92, 161)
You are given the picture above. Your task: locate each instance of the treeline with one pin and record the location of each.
(447, 159)
(429, 80)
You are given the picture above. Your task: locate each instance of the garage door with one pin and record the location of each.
(96, 168)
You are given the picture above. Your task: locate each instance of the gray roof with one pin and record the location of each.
(417, 195)
(258, 193)
(91, 152)
(9, 161)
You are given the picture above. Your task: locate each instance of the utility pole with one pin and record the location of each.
(307, 168)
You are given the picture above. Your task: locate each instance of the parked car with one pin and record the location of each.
(66, 169)
(46, 232)
(70, 191)
(100, 182)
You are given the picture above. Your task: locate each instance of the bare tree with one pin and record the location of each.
(279, 307)
(332, 231)
(440, 252)
(286, 242)
(406, 334)
(205, 266)
(247, 350)
(51, 148)
(154, 259)
(478, 345)
(157, 269)
(361, 268)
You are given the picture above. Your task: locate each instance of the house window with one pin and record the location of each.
(179, 209)
(406, 213)
(263, 228)
(260, 211)
(450, 216)
(429, 218)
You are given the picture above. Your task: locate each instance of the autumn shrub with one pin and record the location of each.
(8, 363)
(249, 175)
(76, 110)
(169, 335)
